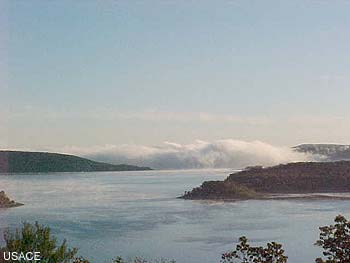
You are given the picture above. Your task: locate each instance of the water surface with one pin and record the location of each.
(136, 213)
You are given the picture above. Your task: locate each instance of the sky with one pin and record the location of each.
(86, 74)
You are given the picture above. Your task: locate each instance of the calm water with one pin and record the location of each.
(136, 213)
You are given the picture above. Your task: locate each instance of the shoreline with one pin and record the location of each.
(15, 204)
(302, 180)
(6, 202)
(287, 196)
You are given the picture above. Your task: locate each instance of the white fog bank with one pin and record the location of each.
(227, 153)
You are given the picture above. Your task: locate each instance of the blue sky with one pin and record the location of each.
(87, 73)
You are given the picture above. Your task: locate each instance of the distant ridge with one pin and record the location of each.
(45, 162)
(329, 152)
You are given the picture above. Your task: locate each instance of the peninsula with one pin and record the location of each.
(6, 202)
(293, 178)
(45, 162)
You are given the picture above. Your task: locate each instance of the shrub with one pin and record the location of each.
(37, 238)
(335, 241)
(244, 253)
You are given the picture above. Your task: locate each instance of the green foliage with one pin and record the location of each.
(244, 253)
(335, 241)
(37, 238)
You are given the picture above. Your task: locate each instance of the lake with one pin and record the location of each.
(107, 214)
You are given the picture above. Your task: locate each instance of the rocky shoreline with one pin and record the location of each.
(6, 202)
(304, 180)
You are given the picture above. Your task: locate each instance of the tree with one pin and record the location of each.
(37, 238)
(244, 253)
(335, 241)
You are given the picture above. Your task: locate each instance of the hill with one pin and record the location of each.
(292, 178)
(44, 162)
(327, 152)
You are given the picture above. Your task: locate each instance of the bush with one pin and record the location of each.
(335, 241)
(37, 238)
(244, 253)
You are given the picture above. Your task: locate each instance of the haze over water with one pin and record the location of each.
(136, 213)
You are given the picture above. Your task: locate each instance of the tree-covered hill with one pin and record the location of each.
(292, 178)
(44, 162)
